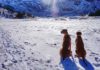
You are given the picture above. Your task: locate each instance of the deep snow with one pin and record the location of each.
(34, 44)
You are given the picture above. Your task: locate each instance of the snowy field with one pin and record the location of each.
(34, 44)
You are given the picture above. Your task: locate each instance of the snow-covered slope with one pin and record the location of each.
(40, 8)
(34, 44)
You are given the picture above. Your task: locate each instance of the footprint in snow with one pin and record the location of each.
(97, 59)
(96, 64)
(27, 43)
(94, 54)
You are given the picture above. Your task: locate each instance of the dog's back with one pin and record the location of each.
(80, 51)
(65, 51)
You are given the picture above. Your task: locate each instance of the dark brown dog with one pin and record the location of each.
(66, 46)
(80, 51)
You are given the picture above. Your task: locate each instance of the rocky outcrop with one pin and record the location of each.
(97, 13)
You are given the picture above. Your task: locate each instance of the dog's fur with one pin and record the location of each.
(80, 50)
(66, 46)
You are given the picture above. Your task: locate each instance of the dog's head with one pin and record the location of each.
(78, 33)
(64, 31)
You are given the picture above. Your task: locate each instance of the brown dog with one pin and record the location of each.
(66, 46)
(80, 51)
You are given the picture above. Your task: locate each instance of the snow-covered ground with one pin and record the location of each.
(34, 44)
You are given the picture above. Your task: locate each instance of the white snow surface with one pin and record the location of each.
(34, 44)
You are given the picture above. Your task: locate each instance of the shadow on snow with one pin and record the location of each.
(69, 64)
(86, 64)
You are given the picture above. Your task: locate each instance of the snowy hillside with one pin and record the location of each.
(34, 44)
(44, 7)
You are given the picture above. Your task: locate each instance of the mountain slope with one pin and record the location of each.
(39, 8)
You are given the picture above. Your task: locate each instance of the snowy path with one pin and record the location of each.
(34, 44)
